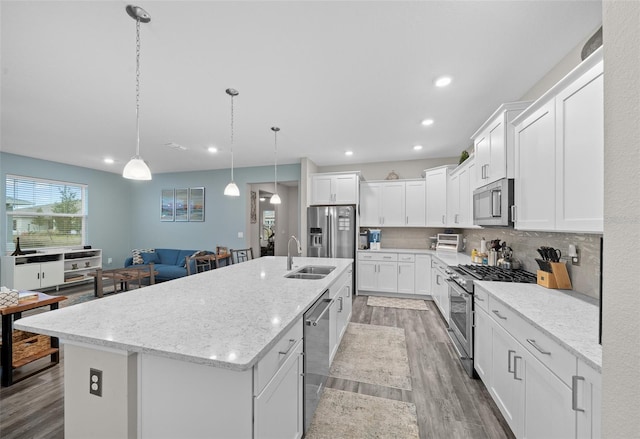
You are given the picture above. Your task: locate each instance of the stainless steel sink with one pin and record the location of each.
(316, 269)
(311, 272)
(305, 276)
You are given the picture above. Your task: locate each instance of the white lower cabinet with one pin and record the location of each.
(406, 274)
(339, 311)
(378, 272)
(278, 408)
(440, 289)
(542, 390)
(422, 282)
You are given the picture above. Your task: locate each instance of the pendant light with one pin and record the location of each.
(137, 169)
(232, 189)
(275, 198)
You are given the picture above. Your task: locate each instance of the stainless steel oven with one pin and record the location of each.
(461, 320)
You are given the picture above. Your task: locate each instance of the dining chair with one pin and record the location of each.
(200, 264)
(241, 255)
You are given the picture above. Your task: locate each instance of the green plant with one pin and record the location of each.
(463, 156)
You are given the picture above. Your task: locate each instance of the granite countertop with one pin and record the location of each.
(228, 317)
(570, 319)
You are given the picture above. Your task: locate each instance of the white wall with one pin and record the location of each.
(380, 170)
(307, 167)
(621, 293)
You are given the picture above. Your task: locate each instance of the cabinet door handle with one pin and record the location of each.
(479, 299)
(487, 165)
(43, 274)
(348, 291)
(443, 219)
(406, 220)
(292, 342)
(456, 218)
(340, 299)
(538, 348)
(399, 269)
(515, 367)
(38, 275)
(574, 393)
(509, 353)
(500, 316)
(513, 212)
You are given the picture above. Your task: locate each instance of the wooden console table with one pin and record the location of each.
(122, 276)
(9, 363)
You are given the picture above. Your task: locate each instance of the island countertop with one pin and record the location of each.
(228, 317)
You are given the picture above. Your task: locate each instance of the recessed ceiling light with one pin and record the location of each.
(443, 81)
(212, 149)
(109, 161)
(417, 147)
(348, 153)
(427, 122)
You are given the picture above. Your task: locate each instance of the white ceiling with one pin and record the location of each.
(333, 75)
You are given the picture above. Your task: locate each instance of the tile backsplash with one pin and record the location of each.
(584, 277)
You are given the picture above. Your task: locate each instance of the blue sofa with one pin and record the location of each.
(168, 262)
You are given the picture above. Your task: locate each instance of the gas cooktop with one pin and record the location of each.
(497, 274)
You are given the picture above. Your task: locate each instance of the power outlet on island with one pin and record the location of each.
(95, 382)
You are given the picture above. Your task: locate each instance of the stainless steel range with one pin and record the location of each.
(461, 303)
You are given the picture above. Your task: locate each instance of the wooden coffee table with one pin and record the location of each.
(123, 276)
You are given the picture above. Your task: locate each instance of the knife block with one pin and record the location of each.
(557, 279)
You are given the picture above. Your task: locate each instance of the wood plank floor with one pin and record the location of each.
(449, 404)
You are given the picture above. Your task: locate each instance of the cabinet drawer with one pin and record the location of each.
(561, 362)
(387, 257)
(404, 257)
(275, 358)
(481, 299)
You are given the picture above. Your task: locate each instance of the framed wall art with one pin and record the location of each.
(182, 204)
(167, 209)
(196, 204)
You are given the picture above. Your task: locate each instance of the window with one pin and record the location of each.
(45, 213)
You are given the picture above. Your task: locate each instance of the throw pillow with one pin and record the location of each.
(137, 257)
(150, 257)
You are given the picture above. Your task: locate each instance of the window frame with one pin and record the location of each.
(12, 215)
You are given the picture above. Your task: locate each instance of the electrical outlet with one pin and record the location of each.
(95, 382)
(240, 234)
(109, 261)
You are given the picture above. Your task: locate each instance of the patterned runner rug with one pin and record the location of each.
(389, 366)
(343, 414)
(392, 302)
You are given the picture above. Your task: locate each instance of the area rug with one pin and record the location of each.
(345, 415)
(389, 366)
(392, 302)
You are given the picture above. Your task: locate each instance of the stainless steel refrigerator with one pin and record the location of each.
(331, 232)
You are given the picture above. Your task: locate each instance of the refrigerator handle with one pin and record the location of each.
(329, 237)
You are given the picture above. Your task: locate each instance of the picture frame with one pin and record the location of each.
(167, 205)
(196, 204)
(182, 204)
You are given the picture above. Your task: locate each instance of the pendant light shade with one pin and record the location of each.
(275, 198)
(231, 190)
(137, 169)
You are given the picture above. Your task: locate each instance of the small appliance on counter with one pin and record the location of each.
(363, 240)
(374, 239)
(449, 242)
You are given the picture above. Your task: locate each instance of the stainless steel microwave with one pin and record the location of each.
(492, 204)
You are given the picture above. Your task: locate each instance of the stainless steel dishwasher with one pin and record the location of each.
(316, 354)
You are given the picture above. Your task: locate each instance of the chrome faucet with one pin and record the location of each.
(289, 257)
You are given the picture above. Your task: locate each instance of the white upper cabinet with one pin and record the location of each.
(415, 203)
(338, 188)
(559, 181)
(436, 180)
(396, 203)
(493, 145)
(580, 153)
(460, 195)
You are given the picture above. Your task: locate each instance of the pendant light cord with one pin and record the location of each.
(275, 137)
(137, 87)
(231, 137)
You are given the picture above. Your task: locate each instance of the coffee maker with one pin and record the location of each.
(363, 240)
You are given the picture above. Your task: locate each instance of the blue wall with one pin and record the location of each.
(224, 216)
(109, 202)
(125, 214)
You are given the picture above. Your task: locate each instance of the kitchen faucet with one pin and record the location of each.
(289, 257)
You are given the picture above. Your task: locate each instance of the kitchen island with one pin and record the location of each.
(185, 358)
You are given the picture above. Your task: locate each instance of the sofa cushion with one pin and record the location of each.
(168, 256)
(166, 272)
(182, 257)
(150, 257)
(137, 255)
